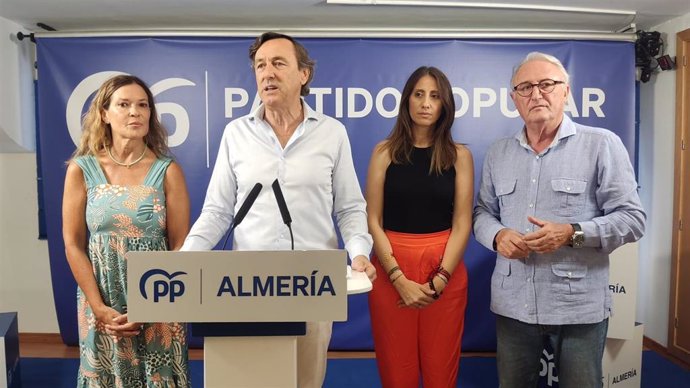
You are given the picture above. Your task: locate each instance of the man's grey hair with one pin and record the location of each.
(539, 56)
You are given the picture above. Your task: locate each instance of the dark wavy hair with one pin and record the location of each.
(96, 134)
(301, 53)
(400, 141)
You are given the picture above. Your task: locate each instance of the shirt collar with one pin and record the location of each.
(567, 128)
(257, 116)
(309, 113)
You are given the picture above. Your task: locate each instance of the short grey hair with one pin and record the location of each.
(539, 56)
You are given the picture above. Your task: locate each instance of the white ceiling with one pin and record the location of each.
(315, 17)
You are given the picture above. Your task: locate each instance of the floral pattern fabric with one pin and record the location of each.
(122, 219)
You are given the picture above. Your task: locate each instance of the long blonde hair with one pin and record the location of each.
(97, 135)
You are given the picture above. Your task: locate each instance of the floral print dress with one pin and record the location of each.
(122, 219)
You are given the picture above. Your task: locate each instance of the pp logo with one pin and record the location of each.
(162, 288)
(90, 84)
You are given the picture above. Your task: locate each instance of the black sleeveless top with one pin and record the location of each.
(413, 200)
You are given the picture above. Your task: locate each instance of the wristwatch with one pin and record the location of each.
(577, 240)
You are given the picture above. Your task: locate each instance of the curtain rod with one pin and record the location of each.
(358, 33)
(484, 5)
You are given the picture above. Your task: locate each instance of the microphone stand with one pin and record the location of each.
(292, 238)
(232, 229)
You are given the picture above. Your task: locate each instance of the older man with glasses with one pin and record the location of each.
(554, 200)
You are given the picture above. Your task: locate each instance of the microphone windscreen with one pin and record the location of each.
(248, 202)
(284, 212)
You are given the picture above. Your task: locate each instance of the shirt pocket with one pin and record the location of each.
(505, 191)
(570, 282)
(501, 277)
(569, 196)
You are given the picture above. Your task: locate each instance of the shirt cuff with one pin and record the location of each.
(490, 236)
(359, 248)
(195, 244)
(592, 235)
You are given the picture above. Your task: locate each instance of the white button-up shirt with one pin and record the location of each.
(317, 177)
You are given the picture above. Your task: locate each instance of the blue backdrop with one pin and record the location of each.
(201, 84)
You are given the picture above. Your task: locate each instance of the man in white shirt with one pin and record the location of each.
(309, 153)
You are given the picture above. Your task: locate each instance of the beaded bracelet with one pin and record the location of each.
(441, 277)
(443, 272)
(433, 288)
(397, 277)
(392, 270)
(440, 272)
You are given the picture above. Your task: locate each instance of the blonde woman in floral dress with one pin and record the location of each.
(123, 193)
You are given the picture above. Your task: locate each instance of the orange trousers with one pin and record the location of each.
(418, 343)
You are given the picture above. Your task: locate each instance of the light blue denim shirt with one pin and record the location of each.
(584, 176)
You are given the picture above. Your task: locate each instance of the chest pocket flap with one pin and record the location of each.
(505, 187)
(569, 270)
(504, 192)
(571, 186)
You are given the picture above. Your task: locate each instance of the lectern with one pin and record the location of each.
(249, 306)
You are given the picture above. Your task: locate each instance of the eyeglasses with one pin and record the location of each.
(545, 86)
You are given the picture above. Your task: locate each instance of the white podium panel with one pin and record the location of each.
(623, 284)
(237, 286)
(622, 363)
(250, 362)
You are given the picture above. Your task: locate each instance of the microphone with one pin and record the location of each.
(248, 202)
(284, 212)
(244, 209)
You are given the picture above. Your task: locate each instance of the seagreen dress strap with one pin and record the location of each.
(156, 174)
(93, 174)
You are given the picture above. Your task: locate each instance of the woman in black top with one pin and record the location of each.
(419, 203)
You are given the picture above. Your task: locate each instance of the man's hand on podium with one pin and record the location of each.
(362, 264)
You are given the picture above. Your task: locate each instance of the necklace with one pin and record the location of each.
(128, 165)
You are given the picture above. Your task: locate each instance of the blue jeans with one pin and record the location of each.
(578, 350)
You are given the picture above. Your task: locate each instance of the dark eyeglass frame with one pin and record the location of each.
(545, 86)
